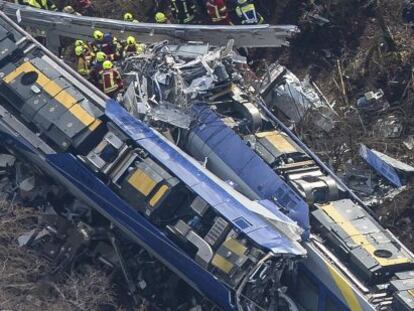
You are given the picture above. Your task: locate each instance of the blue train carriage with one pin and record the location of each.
(234, 251)
(353, 263)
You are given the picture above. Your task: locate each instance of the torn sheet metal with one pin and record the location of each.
(31, 236)
(389, 127)
(393, 170)
(169, 79)
(7, 160)
(171, 116)
(298, 100)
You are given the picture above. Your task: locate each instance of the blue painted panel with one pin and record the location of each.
(132, 221)
(194, 176)
(380, 166)
(127, 217)
(6, 138)
(242, 160)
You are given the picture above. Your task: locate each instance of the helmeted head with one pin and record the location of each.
(79, 43)
(128, 17)
(160, 18)
(107, 64)
(68, 9)
(107, 37)
(98, 35)
(78, 50)
(241, 1)
(131, 40)
(100, 57)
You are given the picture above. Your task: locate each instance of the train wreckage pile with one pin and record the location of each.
(166, 81)
(166, 84)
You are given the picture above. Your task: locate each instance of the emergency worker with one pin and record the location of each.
(132, 47)
(161, 18)
(89, 55)
(183, 10)
(110, 80)
(218, 13)
(128, 17)
(82, 64)
(97, 42)
(85, 7)
(41, 4)
(246, 11)
(96, 67)
(110, 47)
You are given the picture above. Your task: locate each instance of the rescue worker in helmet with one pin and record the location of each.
(86, 49)
(85, 7)
(161, 18)
(110, 81)
(218, 13)
(183, 10)
(82, 63)
(96, 67)
(128, 17)
(111, 47)
(246, 11)
(132, 47)
(41, 4)
(97, 42)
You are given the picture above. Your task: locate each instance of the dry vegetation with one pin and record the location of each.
(366, 50)
(24, 284)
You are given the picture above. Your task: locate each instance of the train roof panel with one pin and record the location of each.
(259, 224)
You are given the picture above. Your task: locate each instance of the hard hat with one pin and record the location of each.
(79, 43)
(241, 1)
(100, 57)
(160, 17)
(131, 40)
(98, 35)
(107, 64)
(128, 17)
(107, 37)
(68, 9)
(78, 50)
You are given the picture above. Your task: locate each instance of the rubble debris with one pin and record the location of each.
(407, 12)
(7, 160)
(175, 77)
(409, 142)
(373, 102)
(390, 127)
(393, 170)
(32, 235)
(298, 100)
(313, 14)
(359, 179)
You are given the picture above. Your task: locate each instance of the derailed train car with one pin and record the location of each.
(232, 250)
(352, 263)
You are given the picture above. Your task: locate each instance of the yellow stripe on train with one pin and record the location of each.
(55, 91)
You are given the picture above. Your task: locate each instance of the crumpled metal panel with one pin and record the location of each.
(247, 165)
(383, 164)
(262, 224)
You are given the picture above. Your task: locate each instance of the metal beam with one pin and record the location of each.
(81, 27)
